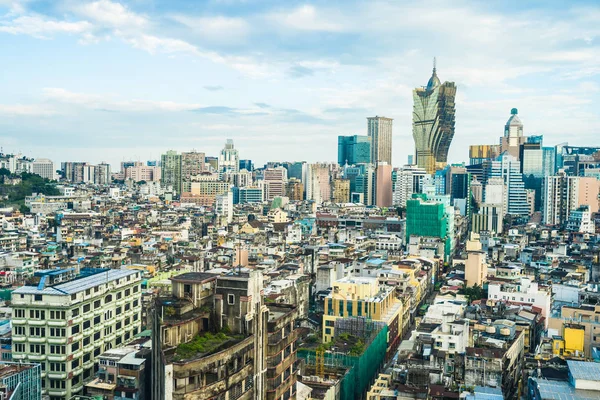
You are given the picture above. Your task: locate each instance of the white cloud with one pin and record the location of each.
(28, 110)
(217, 29)
(307, 18)
(97, 102)
(113, 14)
(42, 27)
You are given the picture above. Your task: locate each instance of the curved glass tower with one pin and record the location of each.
(433, 122)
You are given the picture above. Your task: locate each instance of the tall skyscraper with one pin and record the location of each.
(247, 165)
(380, 133)
(513, 135)
(354, 150)
(229, 160)
(171, 170)
(433, 122)
(383, 185)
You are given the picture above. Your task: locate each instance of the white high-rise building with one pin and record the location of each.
(224, 207)
(229, 160)
(380, 132)
(44, 168)
(409, 180)
(564, 193)
(318, 182)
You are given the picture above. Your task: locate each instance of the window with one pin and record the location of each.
(86, 308)
(19, 347)
(97, 336)
(135, 289)
(75, 346)
(97, 304)
(127, 292)
(135, 303)
(37, 349)
(108, 299)
(57, 349)
(19, 330)
(86, 341)
(19, 313)
(87, 324)
(75, 312)
(75, 363)
(75, 329)
(37, 297)
(119, 295)
(231, 299)
(73, 297)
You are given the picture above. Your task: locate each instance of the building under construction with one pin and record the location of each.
(349, 363)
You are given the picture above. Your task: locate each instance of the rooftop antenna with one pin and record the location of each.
(434, 64)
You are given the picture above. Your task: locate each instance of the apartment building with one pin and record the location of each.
(64, 320)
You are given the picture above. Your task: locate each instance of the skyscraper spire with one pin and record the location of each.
(434, 64)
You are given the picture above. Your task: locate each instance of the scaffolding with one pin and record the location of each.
(363, 368)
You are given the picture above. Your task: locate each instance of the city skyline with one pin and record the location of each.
(120, 79)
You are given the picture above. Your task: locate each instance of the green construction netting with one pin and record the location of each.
(362, 369)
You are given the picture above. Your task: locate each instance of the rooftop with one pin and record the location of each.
(81, 283)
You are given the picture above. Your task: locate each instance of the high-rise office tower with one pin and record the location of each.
(354, 150)
(508, 168)
(247, 165)
(383, 185)
(229, 160)
(380, 133)
(433, 122)
(171, 170)
(513, 135)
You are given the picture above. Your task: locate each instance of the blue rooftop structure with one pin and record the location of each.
(88, 279)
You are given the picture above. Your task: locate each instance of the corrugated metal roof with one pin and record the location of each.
(78, 285)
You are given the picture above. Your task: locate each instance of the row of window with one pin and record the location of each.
(61, 350)
(61, 315)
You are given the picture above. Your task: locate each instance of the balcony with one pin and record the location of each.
(56, 375)
(18, 321)
(77, 371)
(57, 323)
(88, 364)
(56, 357)
(35, 339)
(57, 340)
(77, 320)
(37, 322)
(18, 339)
(57, 392)
(18, 356)
(37, 357)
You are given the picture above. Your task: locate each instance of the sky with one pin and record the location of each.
(113, 81)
